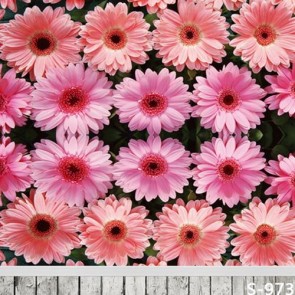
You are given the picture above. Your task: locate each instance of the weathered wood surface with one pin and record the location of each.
(141, 285)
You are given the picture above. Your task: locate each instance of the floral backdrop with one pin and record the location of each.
(147, 132)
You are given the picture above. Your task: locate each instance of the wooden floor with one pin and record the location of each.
(136, 285)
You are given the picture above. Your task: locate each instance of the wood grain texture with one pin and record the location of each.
(25, 285)
(68, 286)
(113, 285)
(178, 285)
(199, 286)
(46, 285)
(240, 284)
(90, 285)
(221, 286)
(6, 285)
(156, 285)
(135, 286)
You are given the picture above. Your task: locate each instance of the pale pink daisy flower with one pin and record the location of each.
(11, 4)
(228, 170)
(217, 4)
(266, 35)
(70, 4)
(12, 262)
(152, 6)
(114, 231)
(72, 99)
(282, 88)
(153, 101)
(228, 100)
(185, 231)
(70, 262)
(153, 261)
(233, 262)
(282, 179)
(289, 3)
(73, 171)
(233, 4)
(15, 97)
(33, 47)
(193, 37)
(153, 168)
(39, 228)
(114, 38)
(266, 233)
(15, 173)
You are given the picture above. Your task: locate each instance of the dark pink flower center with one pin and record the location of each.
(3, 167)
(292, 90)
(73, 169)
(153, 104)
(42, 226)
(3, 103)
(189, 35)
(153, 165)
(265, 234)
(115, 230)
(43, 43)
(265, 35)
(189, 234)
(73, 100)
(292, 179)
(115, 39)
(228, 100)
(228, 169)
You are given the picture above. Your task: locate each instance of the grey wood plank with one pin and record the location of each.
(90, 286)
(240, 285)
(113, 285)
(261, 281)
(25, 285)
(221, 286)
(68, 285)
(156, 285)
(6, 285)
(46, 285)
(199, 286)
(135, 286)
(178, 285)
(287, 284)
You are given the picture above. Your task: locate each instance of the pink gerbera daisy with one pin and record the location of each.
(73, 170)
(114, 231)
(72, 99)
(282, 86)
(266, 35)
(228, 170)
(70, 262)
(14, 169)
(193, 37)
(33, 47)
(153, 168)
(15, 96)
(11, 4)
(217, 4)
(289, 3)
(70, 4)
(39, 228)
(114, 38)
(152, 6)
(153, 101)
(266, 233)
(228, 100)
(282, 181)
(193, 232)
(153, 261)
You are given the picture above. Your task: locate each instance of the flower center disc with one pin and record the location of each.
(73, 100)
(153, 104)
(265, 234)
(228, 169)
(115, 230)
(153, 165)
(43, 43)
(189, 35)
(189, 235)
(115, 39)
(228, 100)
(265, 35)
(42, 226)
(73, 169)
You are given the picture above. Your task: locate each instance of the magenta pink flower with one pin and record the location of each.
(264, 40)
(114, 231)
(228, 100)
(15, 173)
(72, 99)
(194, 233)
(282, 179)
(33, 47)
(228, 170)
(114, 38)
(153, 168)
(266, 233)
(153, 101)
(11, 4)
(152, 6)
(15, 97)
(70, 4)
(282, 88)
(39, 228)
(73, 171)
(193, 37)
